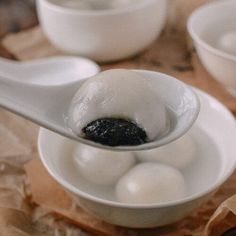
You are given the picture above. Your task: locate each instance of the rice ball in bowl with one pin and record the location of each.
(178, 154)
(101, 167)
(151, 183)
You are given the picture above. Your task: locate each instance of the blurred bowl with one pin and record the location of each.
(103, 35)
(214, 119)
(206, 26)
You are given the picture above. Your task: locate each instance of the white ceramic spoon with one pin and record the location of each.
(47, 105)
(49, 71)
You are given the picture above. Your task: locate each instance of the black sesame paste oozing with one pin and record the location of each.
(115, 132)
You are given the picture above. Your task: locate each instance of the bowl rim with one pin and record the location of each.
(102, 12)
(65, 184)
(198, 39)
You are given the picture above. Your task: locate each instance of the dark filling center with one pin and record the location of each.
(115, 132)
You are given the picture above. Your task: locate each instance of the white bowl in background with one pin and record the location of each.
(216, 121)
(103, 35)
(206, 25)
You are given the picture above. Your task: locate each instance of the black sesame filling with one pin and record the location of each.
(115, 132)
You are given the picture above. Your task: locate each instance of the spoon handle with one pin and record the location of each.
(23, 99)
(8, 68)
(44, 105)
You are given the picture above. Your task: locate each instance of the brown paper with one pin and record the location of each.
(44, 190)
(14, 222)
(50, 195)
(223, 219)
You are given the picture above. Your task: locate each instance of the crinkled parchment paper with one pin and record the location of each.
(32, 203)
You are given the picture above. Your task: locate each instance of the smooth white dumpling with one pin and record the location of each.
(177, 154)
(119, 94)
(227, 42)
(100, 166)
(148, 183)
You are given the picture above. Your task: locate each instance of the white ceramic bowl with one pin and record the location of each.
(205, 26)
(103, 35)
(214, 119)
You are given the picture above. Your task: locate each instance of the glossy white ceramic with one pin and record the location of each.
(205, 26)
(50, 71)
(214, 119)
(48, 106)
(103, 35)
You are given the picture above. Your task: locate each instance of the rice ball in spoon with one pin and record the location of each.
(101, 167)
(149, 183)
(119, 98)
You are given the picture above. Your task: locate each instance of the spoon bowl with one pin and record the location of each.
(48, 106)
